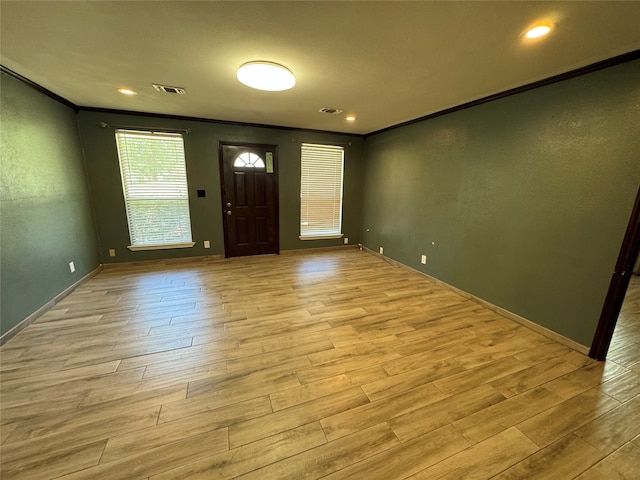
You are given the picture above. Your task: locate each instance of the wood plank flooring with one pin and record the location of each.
(323, 364)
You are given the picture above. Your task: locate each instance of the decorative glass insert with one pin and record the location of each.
(248, 159)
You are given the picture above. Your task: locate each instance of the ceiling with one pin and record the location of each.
(385, 62)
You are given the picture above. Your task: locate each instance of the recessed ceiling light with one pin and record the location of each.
(538, 31)
(350, 118)
(266, 76)
(127, 91)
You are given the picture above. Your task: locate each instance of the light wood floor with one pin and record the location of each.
(333, 365)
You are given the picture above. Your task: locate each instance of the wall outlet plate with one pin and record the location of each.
(423, 259)
(381, 251)
(72, 267)
(207, 244)
(112, 252)
(346, 240)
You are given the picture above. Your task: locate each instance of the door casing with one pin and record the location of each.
(618, 286)
(226, 152)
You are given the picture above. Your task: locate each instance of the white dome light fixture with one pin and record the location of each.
(268, 76)
(538, 31)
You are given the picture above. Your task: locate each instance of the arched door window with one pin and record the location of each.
(248, 160)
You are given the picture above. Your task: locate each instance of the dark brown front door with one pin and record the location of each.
(249, 198)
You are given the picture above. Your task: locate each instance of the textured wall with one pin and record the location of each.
(526, 198)
(46, 219)
(203, 172)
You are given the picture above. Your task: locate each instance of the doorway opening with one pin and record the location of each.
(619, 284)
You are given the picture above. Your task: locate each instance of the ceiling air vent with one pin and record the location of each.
(332, 111)
(168, 89)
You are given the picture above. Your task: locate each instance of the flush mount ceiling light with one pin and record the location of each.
(538, 31)
(350, 118)
(266, 76)
(127, 91)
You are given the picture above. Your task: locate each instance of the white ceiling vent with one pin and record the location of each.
(168, 89)
(332, 111)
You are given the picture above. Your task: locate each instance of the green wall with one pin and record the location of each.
(522, 201)
(45, 214)
(203, 173)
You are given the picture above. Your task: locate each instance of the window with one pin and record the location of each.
(321, 191)
(154, 180)
(248, 159)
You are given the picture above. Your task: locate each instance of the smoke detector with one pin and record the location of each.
(168, 89)
(331, 111)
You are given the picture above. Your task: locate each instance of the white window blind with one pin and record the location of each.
(154, 180)
(321, 191)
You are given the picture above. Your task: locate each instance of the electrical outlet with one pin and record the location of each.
(381, 251)
(207, 244)
(72, 267)
(346, 240)
(112, 252)
(423, 259)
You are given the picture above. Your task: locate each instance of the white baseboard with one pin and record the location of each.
(333, 248)
(567, 342)
(164, 261)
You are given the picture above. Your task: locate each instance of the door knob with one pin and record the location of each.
(228, 212)
(228, 204)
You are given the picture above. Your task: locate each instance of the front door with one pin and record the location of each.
(249, 198)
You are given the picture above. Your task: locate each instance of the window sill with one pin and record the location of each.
(320, 237)
(137, 248)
